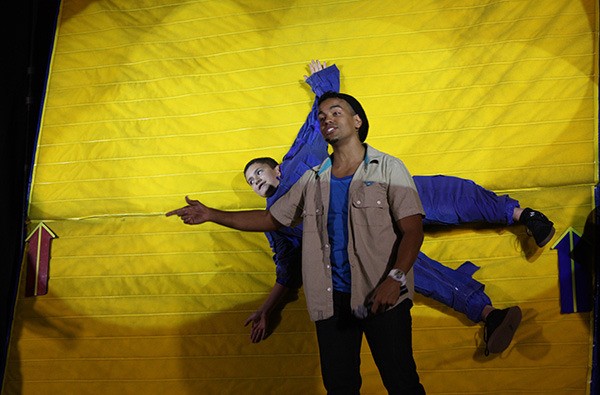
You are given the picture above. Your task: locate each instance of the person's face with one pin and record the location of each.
(263, 179)
(338, 121)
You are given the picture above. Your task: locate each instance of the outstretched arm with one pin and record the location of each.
(196, 213)
(308, 149)
(322, 79)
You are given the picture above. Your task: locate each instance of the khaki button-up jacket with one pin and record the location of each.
(381, 192)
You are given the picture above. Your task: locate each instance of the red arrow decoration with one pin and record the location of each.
(38, 259)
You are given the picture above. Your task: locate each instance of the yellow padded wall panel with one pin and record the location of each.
(152, 100)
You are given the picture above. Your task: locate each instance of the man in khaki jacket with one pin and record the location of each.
(362, 221)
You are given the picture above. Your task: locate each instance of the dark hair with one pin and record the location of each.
(272, 163)
(356, 107)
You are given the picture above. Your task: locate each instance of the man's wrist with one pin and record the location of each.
(397, 275)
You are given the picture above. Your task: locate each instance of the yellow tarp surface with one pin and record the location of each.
(149, 101)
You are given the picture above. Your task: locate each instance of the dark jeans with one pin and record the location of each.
(390, 340)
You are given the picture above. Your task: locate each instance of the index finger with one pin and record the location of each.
(175, 212)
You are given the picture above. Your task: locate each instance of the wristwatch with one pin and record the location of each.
(398, 275)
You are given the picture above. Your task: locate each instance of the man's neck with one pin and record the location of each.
(347, 158)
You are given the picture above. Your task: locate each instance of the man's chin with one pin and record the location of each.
(270, 191)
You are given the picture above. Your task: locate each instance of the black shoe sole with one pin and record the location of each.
(547, 239)
(503, 335)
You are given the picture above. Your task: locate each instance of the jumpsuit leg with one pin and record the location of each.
(453, 201)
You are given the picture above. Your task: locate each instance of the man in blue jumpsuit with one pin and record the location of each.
(446, 200)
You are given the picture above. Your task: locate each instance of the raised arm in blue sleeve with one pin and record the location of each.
(309, 149)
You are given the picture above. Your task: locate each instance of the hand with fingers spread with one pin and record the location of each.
(260, 322)
(315, 66)
(266, 318)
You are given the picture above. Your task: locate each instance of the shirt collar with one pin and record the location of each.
(371, 156)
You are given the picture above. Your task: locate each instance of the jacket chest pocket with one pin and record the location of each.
(370, 206)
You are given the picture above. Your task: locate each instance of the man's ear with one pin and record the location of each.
(277, 171)
(357, 121)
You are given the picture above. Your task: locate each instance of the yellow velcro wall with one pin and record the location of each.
(149, 101)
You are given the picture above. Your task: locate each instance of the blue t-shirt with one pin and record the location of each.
(337, 228)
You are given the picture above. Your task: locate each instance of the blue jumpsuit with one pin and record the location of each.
(446, 201)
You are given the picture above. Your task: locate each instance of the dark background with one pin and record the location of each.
(27, 39)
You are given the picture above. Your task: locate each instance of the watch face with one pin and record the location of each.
(397, 275)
